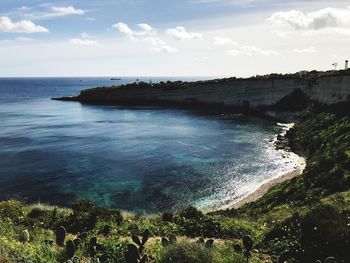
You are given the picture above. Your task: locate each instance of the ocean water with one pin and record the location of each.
(141, 159)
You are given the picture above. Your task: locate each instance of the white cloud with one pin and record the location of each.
(180, 33)
(124, 28)
(321, 19)
(305, 50)
(69, 10)
(146, 30)
(23, 26)
(224, 41)
(58, 12)
(84, 40)
(146, 34)
(252, 51)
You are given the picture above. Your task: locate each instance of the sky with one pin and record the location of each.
(214, 38)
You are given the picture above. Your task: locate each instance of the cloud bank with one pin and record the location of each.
(23, 26)
(57, 12)
(180, 33)
(321, 19)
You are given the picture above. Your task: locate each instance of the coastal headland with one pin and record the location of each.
(267, 94)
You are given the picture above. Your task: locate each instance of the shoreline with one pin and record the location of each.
(270, 183)
(281, 143)
(264, 188)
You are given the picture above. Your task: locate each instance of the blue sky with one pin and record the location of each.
(172, 38)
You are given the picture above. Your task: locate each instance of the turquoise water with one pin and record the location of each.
(139, 159)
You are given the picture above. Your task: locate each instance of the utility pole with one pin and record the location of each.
(335, 65)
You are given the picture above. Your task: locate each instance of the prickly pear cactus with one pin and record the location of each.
(248, 243)
(24, 236)
(237, 248)
(330, 260)
(200, 241)
(60, 235)
(165, 242)
(248, 246)
(70, 248)
(132, 254)
(209, 243)
(145, 236)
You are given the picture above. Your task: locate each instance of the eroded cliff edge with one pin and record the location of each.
(255, 93)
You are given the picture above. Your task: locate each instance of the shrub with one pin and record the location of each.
(13, 210)
(233, 228)
(86, 215)
(191, 213)
(186, 252)
(325, 232)
(285, 236)
(191, 252)
(115, 248)
(167, 216)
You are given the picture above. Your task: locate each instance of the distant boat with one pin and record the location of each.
(115, 79)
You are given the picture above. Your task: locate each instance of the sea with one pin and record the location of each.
(138, 159)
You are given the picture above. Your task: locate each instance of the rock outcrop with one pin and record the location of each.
(253, 93)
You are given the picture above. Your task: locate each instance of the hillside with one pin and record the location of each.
(301, 220)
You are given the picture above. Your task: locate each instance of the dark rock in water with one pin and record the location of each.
(282, 143)
(69, 98)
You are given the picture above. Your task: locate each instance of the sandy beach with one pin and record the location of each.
(265, 187)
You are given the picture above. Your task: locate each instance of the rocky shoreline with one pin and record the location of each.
(281, 143)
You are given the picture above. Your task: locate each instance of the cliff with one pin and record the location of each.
(254, 93)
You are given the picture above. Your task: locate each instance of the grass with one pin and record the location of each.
(41, 220)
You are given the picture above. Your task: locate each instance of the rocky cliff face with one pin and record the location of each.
(253, 93)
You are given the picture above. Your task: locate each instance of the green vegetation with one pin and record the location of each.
(306, 77)
(302, 220)
(40, 233)
(310, 215)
